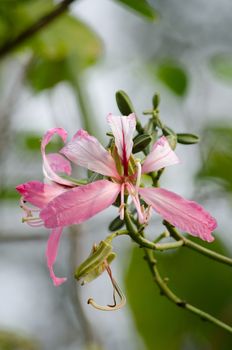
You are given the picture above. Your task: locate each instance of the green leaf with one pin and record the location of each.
(173, 76)
(221, 66)
(142, 7)
(217, 145)
(196, 279)
(68, 37)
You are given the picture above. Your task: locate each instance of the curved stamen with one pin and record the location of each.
(116, 289)
(139, 173)
(122, 206)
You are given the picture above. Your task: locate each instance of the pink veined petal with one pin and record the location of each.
(86, 150)
(59, 164)
(47, 168)
(39, 194)
(160, 156)
(186, 215)
(51, 254)
(123, 129)
(79, 204)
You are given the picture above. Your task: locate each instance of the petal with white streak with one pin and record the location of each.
(51, 254)
(86, 150)
(160, 156)
(187, 215)
(79, 204)
(123, 129)
(48, 169)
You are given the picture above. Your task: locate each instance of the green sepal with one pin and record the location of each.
(94, 265)
(172, 140)
(187, 139)
(141, 142)
(117, 160)
(168, 131)
(78, 182)
(116, 224)
(124, 103)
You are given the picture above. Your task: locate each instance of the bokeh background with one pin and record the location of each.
(66, 75)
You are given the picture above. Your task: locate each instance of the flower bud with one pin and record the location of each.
(95, 265)
(116, 224)
(187, 139)
(141, 142)
(124, 103)
(156, 101)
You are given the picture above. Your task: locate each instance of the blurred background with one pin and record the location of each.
(61, 63)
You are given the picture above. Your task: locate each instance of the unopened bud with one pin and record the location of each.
(116, 224)
(124, 103)
(187, 139)
(156, 101)
(141, 142)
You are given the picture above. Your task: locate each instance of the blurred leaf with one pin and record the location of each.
(61, 51)
(217, 146)
(15, 16)
(31, 141)
(221, 65)
(142, 7)
(173, 76)
(200, 281)
(12, 341)
(68, 37)
(8, 193)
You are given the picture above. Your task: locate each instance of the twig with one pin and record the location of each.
(165, 290)
(192, 245)
(35, 27)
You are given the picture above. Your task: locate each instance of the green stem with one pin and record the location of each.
(165, 290)
(143, 242)
(192, 245)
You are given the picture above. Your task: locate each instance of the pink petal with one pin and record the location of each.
(123, 129)
(160, 156)
(47, 168)
(51, 254)
(59, 164)
(186, 215)
(39, 194)
(85, 150)
(79, 204)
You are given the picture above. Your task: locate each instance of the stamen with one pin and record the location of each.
(116, 289)
(139, 173)
(122, 206)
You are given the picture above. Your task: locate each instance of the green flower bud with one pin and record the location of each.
(116, 224)
(187, 139)
(95, 265)
(156, 101)
(141, 142)
(124, 103)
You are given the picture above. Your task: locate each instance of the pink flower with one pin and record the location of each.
(123, 172)
(39, 194)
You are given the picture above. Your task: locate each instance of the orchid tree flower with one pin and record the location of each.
(122, 175)
(39, 194)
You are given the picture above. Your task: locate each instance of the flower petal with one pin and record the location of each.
(59, 164)
(39, 194)
(186, 215)
(86, 150)
(51, 254)
(47, 168)
(123, 129)
(160, 156)
(79, 204)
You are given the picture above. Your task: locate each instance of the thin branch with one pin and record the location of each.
(165, 290)
(35, 27)
(192, 245)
